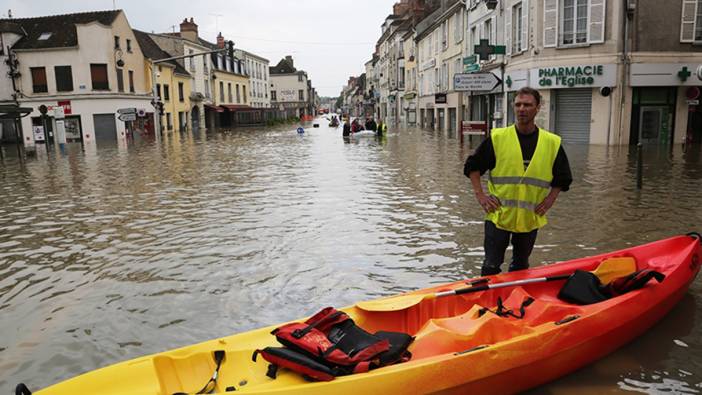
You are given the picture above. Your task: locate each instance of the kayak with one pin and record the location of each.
(460, 344)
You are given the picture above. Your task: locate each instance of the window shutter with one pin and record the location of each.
(508, 29)
(525, 25)
(550, 23)
(687, 27)
(597, 21)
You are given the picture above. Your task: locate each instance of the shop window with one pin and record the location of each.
(39, 80)
(64, 78)
(98, 76)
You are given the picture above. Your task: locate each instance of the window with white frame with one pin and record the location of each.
(691, 23)
(476, 39)
(444, 77)
(444, 35)
(517, 28)
(458, 27)
(574, 22)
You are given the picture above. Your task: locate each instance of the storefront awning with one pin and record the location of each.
(213, 108)
(12, 111)
(237, 107)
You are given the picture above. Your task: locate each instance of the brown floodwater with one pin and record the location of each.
(109, 253)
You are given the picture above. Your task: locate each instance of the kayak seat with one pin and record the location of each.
(540, 311)
(445, 335)
(185, 374)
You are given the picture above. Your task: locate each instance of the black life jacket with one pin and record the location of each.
(330, 344)
(585, 288)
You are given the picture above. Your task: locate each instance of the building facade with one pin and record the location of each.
(172, 85)
(289, 89)
(257, 69)
(82, 68)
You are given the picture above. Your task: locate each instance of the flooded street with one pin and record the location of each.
(115, 252)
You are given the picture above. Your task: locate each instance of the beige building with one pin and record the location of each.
(289, 89)
(172, 85)
(83, 68)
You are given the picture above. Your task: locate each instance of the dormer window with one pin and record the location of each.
(44, 36)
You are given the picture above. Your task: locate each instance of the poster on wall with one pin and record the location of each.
(38, 133)
(288, 95)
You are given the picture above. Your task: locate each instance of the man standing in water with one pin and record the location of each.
(528, 169)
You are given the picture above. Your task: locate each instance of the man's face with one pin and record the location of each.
(525, 108)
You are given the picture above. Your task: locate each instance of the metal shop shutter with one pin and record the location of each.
(105, 128)
(573, 115)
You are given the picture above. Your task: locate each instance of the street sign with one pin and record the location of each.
(475, 82)
(471, 68)
(127, 117)
(59, 112)
(131, 110)
(470, 59)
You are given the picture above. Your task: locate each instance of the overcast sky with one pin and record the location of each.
(330, 39)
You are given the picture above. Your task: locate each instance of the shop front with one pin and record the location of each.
(665, 105)
(571, 95)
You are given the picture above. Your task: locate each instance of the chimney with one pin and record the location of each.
(188, 30)
(220, 41)
(290, 60)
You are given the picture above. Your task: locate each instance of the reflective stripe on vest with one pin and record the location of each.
(520, 191)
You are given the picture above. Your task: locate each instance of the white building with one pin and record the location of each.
(89, 64)
(257, 68)
(289, 89)
(440, 55)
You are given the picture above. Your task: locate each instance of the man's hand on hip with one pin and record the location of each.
(489, 203)
(546, 205)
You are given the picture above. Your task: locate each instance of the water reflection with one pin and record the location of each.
(113, 252)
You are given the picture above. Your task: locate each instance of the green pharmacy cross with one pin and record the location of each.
(684, 73)
(484, 49)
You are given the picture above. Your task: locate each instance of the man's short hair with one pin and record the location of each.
(529, 91)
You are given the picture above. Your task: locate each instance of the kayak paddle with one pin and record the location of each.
(607, 271)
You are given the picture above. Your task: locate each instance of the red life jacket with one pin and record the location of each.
(330, 344)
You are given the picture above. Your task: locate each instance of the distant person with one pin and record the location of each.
(528, 169)
(371, 125)
(347, 129)
(382, 128)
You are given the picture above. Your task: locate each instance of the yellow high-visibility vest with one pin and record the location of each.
(519, 190)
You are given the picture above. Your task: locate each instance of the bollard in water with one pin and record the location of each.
(639, 165)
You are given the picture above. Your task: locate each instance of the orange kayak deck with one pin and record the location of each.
(456, 350)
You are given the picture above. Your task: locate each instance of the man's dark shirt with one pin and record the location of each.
(483, 159)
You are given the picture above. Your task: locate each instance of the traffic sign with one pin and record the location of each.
(127, 117)
(470, 59)
(475, 82)
(131, 110)
(471, 68)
